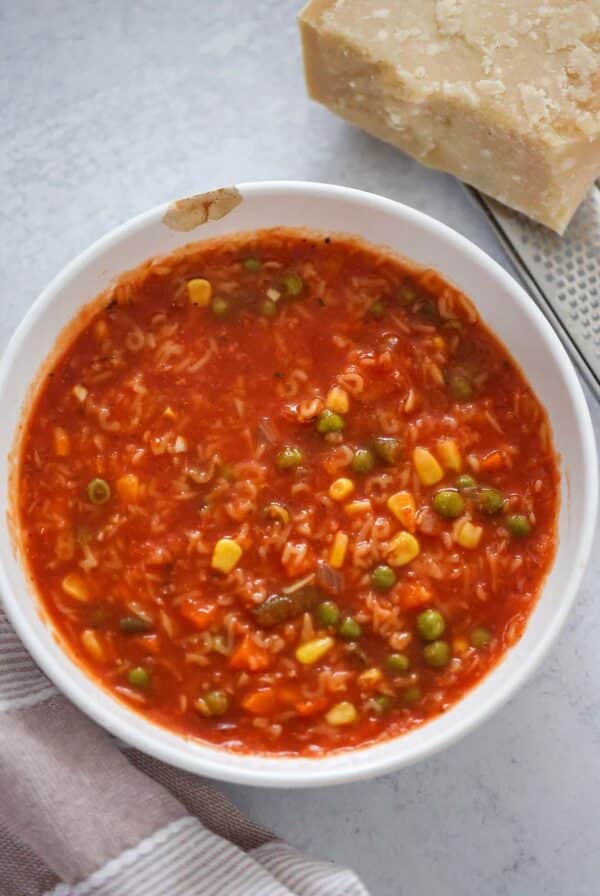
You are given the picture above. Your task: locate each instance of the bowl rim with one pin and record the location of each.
(322, 770)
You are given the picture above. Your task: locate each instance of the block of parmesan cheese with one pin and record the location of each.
(505, 94)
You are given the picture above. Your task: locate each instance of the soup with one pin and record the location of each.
(284, 492)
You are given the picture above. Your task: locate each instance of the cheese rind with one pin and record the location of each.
(505, 94)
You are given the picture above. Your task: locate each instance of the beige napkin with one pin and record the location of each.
(81, 817)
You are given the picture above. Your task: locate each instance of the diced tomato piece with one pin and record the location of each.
(261, 703)
(200, 614)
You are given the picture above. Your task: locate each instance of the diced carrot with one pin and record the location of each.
(492, 461)
(201, 615)
(250, 656)
(149, 643)
(261, 703)
(312, 707)
(415, 596)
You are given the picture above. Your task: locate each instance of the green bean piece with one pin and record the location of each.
(398, 663)
(448, 503)
(430, 624)
(289, 457)
(217, 702)
(490, 500)
(329, 421)
(134, 625)
(98, 491)
(381, 704)
(480, 636)
(437, 654)
(252, 264)
(387, 449)
(518, 525)
(328, 613)
(292, 284)
(377, 309)
(349, 629)
(278, 608)
(268, 308)
(220, 306)
(383, 577)
(460, 387)
(412, 695)
(138, 677)
(464, 482)
(363, 461)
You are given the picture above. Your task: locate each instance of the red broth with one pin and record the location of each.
(287, 494)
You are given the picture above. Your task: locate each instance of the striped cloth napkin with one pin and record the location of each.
(81, 817)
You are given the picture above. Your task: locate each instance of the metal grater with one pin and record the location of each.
(561, 272)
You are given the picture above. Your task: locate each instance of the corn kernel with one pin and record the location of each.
(340, 489)
(62, 443)
(75, 586)
(337, 554)
(460, 646)
(427, 467)
(370, 677)
(343, 713)
(80, 392)
(128, 487)
(199, 292)
(402, 505)
(467, 535)
(355, 507)
(449, 454)
(313, 651)
(226, 555)
(92, 644)
(337, 400)
(404, 547)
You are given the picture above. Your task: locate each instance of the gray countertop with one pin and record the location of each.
(112, 107)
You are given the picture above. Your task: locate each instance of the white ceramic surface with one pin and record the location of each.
(505, 308)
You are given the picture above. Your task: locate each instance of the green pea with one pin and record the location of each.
(480, 636)
(328, 613)
(387, 449)
(220, 306)
(406, 295)
(518, 525)
(437, 654)
(329, 421)
(98, 491)
(464, 482)
(490, 500)
(289, 457)
(292, 284)
(383, 578)
(363, 461)
(448, 503)
(268, 308)
(430, 624)
(460, 387)
(217, 702)
(252, 264)
(350, 629)
(138, 677)
(398, 663)
(133, 625)
(412, 695)
(377, 309)
(381, 704)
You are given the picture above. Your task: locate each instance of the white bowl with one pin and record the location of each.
(504, 306)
